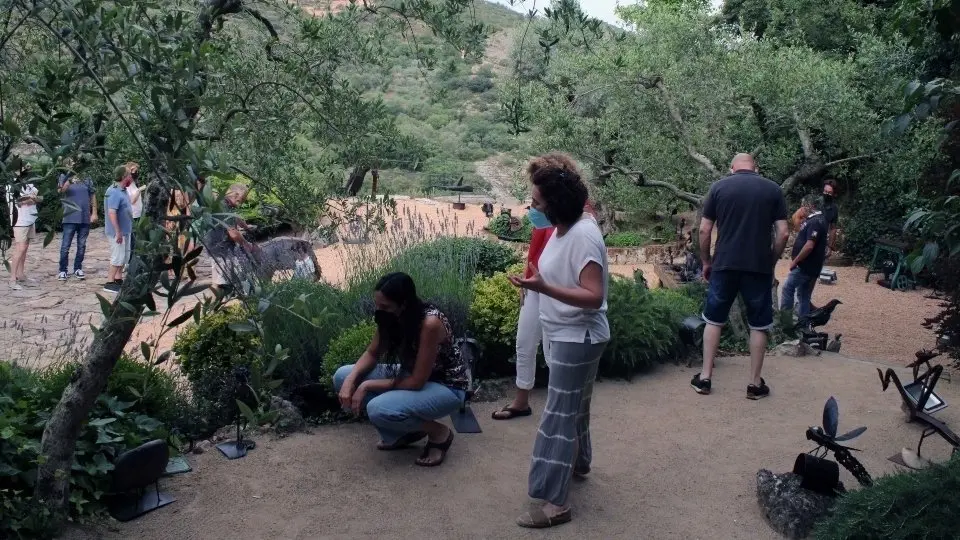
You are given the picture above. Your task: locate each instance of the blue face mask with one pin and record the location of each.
(538, 219)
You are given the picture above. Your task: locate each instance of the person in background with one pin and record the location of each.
(745, 207)
(136, 201)
(79, 213)
(404, 401)
(529, 332)
(571, 282)
(24, 231)
(828, 205)
(118, 227)
(808, 255)
(226, 244)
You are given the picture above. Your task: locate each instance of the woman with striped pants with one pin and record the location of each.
(571, 281)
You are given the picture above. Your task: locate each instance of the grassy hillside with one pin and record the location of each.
(451, 106)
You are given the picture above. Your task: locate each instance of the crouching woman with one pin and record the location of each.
(424, 380)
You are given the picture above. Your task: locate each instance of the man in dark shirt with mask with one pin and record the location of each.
(809, 252)
(828, 206)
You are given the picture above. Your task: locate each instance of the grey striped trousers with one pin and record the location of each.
(563, 438)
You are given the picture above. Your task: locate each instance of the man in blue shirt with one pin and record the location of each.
(79, 212)
(119, 226)
(809, 253)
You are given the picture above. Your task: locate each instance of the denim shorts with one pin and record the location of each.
(756, 290)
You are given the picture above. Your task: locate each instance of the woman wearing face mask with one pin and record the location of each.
(529, 332)
(424, 380)
(572, 285)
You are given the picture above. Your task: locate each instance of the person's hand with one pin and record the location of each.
(346, 394)
(356, 402)
(119, 238)
(533, 283)
(707, 268)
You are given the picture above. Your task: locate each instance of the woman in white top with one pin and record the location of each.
(571, 280)
(136, 201)
(24, 230)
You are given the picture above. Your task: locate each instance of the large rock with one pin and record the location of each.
(289, 419)
(790, 509)
(796, 348)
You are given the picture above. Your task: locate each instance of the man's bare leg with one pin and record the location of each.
(711, 343)
(758, 348)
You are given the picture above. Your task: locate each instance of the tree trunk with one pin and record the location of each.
(374, 180)
(355, 181)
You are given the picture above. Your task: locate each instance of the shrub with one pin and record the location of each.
(916, 504)
(303, 317)
(488, 257)
(500, 226)
(626, 239)
(493, 320)
(644, 327)
(112, 427)
(346, 349)
(208, 353)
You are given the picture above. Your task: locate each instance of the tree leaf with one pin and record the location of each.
(105, 306)
(145, 350)
(100, 422)
(182, 318)
(247, 413)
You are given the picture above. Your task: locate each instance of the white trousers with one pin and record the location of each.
(529, 335)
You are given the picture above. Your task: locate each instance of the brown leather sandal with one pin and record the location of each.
(443, 447)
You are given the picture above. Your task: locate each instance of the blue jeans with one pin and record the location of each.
(756, 290)
(800, 285)
(69, 231)
(398, 412)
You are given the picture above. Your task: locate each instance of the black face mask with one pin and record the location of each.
(827, 198)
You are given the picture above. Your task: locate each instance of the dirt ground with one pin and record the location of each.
(683, 467)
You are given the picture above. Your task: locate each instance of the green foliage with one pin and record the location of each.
(889, 508)
(493, 320)
(626, 239)
(500, 226)
(346, 349)
(27, 399)
(644, 327)
(207, 353)
(488, 257)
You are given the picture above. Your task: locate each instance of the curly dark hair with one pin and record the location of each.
(561, 187)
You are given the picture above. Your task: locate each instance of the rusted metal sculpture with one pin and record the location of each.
(828, 441)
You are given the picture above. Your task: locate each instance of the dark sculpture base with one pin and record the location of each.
(133, 506)
(235, 449)
(790, 509)
(459, 206)
(464, 421)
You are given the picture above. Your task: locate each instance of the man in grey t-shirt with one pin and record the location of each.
(79, 212)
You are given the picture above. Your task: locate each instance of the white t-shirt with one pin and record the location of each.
(561, 262)
(27, 213)
(136, 208)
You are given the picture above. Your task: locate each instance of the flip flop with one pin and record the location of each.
(443, 447)
(511, 413)
(537, 519)
(402, 442)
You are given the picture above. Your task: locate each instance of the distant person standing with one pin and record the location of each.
(118, 227)
(808, 254)
(136, 201)
(79, 212)
(828, 205)
(24, 232)
(744, 207)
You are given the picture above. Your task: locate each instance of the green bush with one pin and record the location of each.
(500, 226)
(27, 400)
(626, 239)
(906, 505)
(644, 327)
(303, 318)
(208, 353)
(493, 320)
(346, 349)
(489, 257)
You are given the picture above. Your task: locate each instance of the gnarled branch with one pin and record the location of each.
(640, 180)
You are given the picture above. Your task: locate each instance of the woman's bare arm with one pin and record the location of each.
(432, 335)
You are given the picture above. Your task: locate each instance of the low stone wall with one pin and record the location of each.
(650, 254)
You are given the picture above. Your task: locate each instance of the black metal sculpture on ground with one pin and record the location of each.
(464, 421)
(920, 402)
(133, 472)
(828, 441)
(239, 447)
(818, 316)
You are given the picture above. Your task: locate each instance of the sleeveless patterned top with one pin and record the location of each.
(449, 369)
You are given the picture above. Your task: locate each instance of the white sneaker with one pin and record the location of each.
(79, 274)
(62, 276)
(16, 286)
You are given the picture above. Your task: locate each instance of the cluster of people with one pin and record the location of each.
(412, 374)
(122, 207)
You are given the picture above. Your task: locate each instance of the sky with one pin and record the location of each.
(601, 9)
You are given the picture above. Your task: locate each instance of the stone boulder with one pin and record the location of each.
(289, 419)
(796, 348)
(790, 509)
